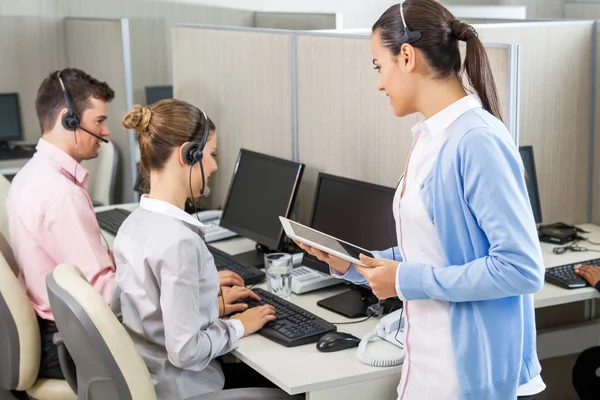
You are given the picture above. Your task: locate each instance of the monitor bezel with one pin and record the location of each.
(270, 243)
(19, 136)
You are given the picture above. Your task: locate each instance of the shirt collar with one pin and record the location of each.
(62, 159)
(162, 207)
(440, 121)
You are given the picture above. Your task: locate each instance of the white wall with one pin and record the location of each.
(355, 13)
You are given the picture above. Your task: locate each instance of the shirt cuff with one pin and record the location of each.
(239, 328)
(597, 286)
(398, 291)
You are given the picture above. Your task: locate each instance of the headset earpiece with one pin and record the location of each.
(191, 154)
(70, 120)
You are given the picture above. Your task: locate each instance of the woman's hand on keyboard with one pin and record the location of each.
(230, 297)
(341, 266)
(230, 278)
(255, 318)
(590, 273)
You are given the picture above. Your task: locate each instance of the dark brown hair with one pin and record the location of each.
(162, 127)
(440, 34)
(80, 87)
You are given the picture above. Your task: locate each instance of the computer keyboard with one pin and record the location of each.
(565, 276)
(16, 152)
(294, 326)
(250, 274)
(111, 220)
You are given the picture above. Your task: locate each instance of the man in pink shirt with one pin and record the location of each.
(50, 213)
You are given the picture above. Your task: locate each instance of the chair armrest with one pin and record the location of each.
(67, 365)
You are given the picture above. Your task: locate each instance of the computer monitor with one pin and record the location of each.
(531, 180)
(10, 118)
(262, 188)
(362, 214)
(358, 212)
(156, 93)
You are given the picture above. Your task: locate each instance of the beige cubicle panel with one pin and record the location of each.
(31, 47)
(346, 126)
(555, 112)
(295, 21)
(98, 48)
(242, 79)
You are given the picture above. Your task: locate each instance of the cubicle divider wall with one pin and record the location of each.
(101, 47)
(555, 115)
(242, 78)
(306, 96)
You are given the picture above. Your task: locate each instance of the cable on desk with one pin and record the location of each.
(350, 323)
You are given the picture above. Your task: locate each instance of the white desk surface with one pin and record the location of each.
(552, 295)
(11, 167)
(303, 369)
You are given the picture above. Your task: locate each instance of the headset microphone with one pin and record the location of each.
(93, 134)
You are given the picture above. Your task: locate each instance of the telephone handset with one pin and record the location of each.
(390, 329)
(209, 215)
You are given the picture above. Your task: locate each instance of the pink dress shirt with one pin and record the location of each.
(52, 221)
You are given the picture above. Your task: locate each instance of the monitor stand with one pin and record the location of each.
(252, 257)
(354, 302)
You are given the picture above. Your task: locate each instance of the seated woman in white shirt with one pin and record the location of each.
(170, 295)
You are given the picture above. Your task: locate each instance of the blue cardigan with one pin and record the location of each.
(477, 198)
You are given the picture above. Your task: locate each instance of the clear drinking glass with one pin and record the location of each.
(278, 268)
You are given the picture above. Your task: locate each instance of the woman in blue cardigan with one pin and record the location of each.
(468, 258)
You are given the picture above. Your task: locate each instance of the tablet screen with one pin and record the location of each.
(328, 241)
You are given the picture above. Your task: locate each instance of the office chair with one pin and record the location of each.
(4, 187)
(586, 374)
(107, 361)
(103, 174)
(20, 346)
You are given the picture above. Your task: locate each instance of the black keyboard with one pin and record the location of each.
(16, 152)
(111, 220)
(565, 276)
(250, 274)
(294, 326)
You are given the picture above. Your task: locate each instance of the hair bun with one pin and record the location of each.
(138, 118)
(462, 31)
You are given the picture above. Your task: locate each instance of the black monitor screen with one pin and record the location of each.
(10, 118)
(157, 93)
(531, 179)
(358, 212)
(262, 189)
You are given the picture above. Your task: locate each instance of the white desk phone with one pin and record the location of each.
(212, 218)
(390, 329)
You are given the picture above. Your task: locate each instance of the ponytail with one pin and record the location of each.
(477, 67)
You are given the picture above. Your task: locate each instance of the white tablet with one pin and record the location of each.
(323, 242)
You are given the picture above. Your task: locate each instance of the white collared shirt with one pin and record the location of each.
(169, 288)
(429, 371)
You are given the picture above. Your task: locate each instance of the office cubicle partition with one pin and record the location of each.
(102, 49)
(555, 114)
(296, 20)
(347, 127)
(30, 48)
(243, 80)
(311, 97)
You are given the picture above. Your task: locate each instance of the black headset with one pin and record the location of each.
(70, 120)
(192, 152)
(408, 37)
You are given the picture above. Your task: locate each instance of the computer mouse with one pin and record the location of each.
(336, 341)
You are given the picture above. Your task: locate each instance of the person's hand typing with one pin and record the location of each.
(230, 278)
(341, 266)
(229, 299)
(590, 273)
(381, 275)
(255, 318)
